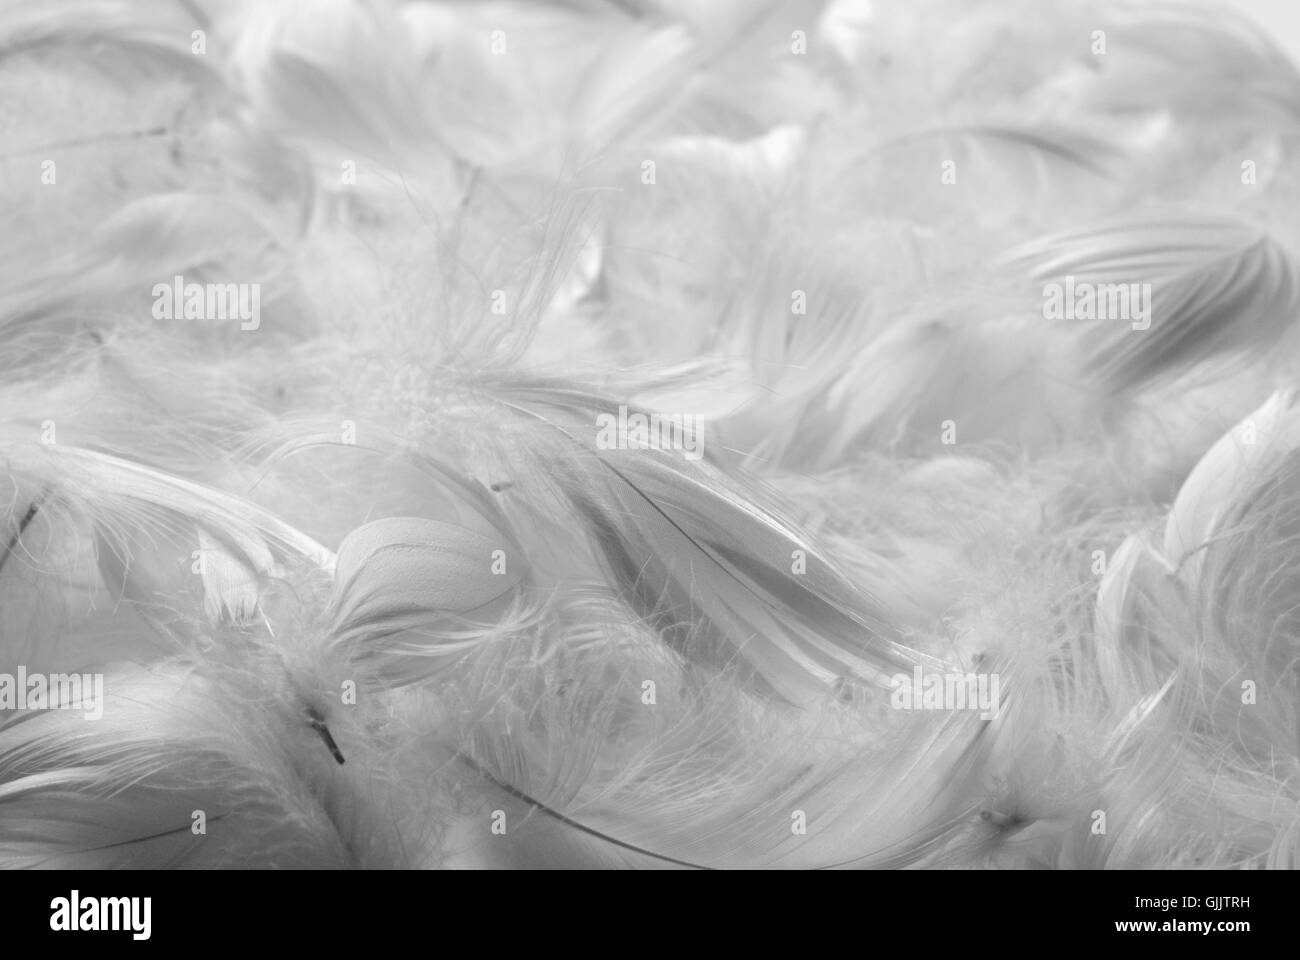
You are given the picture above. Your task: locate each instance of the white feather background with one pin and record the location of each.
(330, 332)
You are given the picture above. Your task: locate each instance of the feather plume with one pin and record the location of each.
(708, 564)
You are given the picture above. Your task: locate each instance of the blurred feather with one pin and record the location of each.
(1209, 501)
(1221, 292)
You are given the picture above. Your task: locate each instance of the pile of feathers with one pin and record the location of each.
(643, 433)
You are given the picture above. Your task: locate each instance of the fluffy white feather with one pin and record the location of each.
(375, 583)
